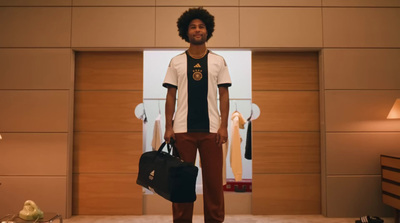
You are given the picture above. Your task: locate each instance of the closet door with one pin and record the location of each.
(286, 145)
(107, 135)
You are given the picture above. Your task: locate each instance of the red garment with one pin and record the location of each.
(211, 162)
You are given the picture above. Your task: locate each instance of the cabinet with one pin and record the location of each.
(391, 183)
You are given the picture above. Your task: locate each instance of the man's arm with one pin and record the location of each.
(169, 114)
(222, 134)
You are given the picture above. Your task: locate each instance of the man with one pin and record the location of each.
(197, 75)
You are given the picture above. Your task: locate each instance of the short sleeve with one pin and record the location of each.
(224, 79)
(171, 78)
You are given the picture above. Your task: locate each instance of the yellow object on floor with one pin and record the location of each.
(30, 211)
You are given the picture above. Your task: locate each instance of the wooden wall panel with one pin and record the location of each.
(166, 18)
(286, 194)
(107, 135)
(361, 27)
(107, 110)
(285, 71)
(287, 110)
(198, 3)
(107, 152)
(114, 2)
(226, 35)
(361, 68)
(109, 71)
(356, 153)
(49, 193)
(35, 68)
(35, 26)
(36, 3)
(362, 110)
(36, 154)
(280, 3)
(113, 27)
(361, 3)
(227, 29)
(35, 104)
(286, 137)
(106, 194)
(345, 193)
(286, 152)
(297, 27)
(34, 110)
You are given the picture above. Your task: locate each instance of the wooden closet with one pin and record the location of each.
(107, 135)
(286, 137)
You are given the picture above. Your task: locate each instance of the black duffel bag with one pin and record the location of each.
(168, 175)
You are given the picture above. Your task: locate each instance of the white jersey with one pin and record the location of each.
(197, 81)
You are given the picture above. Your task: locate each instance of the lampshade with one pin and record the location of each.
(395, 111)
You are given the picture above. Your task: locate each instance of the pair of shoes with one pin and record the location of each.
(369, 219)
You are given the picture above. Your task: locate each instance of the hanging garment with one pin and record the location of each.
(143, 117)
(237, 122)
(157, 134)
(224, 154)
(247, 153)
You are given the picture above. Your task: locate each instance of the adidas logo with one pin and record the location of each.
(151, 176)
(197, 65)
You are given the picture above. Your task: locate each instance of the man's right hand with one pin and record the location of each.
(169, 133)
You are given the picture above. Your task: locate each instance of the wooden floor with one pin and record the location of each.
(228, 219)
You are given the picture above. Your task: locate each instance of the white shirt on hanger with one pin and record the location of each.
(157, 133)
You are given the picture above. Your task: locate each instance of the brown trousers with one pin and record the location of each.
(211, 166)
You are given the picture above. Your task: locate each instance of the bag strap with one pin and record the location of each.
(169, 146)
(161, 147)
(175, 150)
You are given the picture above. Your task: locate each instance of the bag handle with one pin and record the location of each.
(169, 146)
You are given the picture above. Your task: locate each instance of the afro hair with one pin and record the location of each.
(195, 13)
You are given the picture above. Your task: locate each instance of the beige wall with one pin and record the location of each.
(358, 41)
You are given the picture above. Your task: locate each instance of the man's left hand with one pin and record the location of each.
(222, 136)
